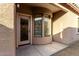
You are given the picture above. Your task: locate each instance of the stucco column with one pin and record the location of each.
(7, 30)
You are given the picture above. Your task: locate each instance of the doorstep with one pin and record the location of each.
(40, 50)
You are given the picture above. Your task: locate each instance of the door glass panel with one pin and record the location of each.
(24, 29)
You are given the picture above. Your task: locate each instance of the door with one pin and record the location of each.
(24, 29)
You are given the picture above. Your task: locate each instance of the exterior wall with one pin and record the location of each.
(65, 28)
(7, 38)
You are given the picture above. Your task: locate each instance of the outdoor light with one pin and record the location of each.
(18, 5)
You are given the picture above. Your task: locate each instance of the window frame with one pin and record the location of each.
(42, 25)
(49, 18)
(36, 16)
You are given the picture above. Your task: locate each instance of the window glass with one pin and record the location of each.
(47, 26)
(38, 26)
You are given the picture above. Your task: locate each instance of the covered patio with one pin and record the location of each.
(40, 33)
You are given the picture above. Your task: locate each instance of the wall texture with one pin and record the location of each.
(7, 38)
(65, 28)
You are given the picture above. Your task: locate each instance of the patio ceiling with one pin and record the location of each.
(51, 7)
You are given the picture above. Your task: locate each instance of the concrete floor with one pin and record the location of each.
(72, 50)
(40, 50)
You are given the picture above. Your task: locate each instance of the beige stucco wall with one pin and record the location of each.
(7, 38)
(65, 28)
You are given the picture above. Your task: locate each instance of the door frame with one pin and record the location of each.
(18, 26)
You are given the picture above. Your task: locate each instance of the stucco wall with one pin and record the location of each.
(7, 39)
(65, 28)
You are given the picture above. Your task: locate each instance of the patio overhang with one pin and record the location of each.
(52, 7)
(71, 7)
